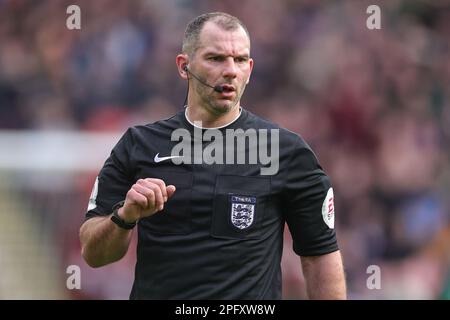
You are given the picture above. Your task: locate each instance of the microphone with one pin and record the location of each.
(218, 89)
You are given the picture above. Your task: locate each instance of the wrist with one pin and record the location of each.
(119, 220)
(121, 214)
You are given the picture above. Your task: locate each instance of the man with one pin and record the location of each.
(214, 229)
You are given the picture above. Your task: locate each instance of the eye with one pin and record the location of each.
(216, 58)
(241, 59)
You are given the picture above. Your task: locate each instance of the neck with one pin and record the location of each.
(208, 120)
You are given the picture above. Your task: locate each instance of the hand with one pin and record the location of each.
(145, 198)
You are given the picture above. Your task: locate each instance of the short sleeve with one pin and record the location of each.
(308, 204)
(114, 179)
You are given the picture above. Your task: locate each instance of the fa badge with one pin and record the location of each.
(242, 211)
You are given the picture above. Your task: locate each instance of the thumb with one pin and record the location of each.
(170, 190)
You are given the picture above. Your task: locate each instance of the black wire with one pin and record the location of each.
(187, 92)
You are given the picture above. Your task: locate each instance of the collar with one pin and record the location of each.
(225, 125)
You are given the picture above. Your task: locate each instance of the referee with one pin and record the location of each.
(214, 229)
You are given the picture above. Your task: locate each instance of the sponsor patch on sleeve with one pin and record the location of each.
(328, 209)
(93, 198)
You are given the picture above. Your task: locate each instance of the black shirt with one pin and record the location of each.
(220, 236)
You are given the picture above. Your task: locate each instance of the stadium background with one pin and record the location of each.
(373, 104)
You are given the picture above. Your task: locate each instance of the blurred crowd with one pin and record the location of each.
(373, 104)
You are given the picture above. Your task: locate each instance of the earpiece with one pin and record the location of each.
(185, 68)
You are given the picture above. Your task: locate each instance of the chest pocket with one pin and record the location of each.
(239, 206)
(176, 216)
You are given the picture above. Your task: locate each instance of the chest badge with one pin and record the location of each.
(242, 211)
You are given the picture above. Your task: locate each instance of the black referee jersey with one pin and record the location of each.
(220, 236)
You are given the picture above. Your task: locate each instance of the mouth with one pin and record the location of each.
(227, 88)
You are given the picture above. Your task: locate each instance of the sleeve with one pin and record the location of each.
(308, 204)
(114, 179)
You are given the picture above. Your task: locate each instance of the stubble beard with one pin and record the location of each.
(219, 106)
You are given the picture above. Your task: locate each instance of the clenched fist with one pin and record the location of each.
(145, 198)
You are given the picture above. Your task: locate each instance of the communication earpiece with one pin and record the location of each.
(185, 68)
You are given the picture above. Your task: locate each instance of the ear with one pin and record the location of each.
(251, 69)
(182, 61)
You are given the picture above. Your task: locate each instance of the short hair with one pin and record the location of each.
(193, 29)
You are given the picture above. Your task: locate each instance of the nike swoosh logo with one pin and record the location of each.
(159, 159)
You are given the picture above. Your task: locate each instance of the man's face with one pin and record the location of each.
(222, 58)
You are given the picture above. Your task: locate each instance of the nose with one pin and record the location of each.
(230, 70)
